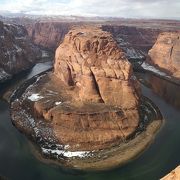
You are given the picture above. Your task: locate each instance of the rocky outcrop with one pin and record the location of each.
(17, 53)
(96, 66)
(47, 34)
(97, 94)
(166, 53)
(173, 175)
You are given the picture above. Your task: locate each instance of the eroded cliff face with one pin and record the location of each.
(96, 101)
(135, 42)
(166, 53)
(95, 65)
(17, 52)
(47, 34)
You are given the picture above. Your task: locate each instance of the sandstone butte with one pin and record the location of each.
(97, 93)
(173, 175)
(166, 53)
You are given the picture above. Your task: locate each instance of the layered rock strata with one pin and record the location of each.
(47, 34)
(17, 52)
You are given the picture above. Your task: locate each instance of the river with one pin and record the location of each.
(18, 162)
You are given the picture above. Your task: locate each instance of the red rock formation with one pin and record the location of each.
(96, 66)
(166, 53)
(173, 175)
(17, 52)
(98, 97)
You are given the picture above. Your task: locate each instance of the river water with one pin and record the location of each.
(18, 162)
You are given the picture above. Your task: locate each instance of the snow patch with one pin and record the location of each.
(4, 75)
(64, 153)
(132, 53)
(18, 49)
(35, 97)
(44, 54)
(149, 67)
(66, 146)
(57, 103)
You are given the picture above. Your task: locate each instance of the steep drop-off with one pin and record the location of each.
(166, 53)
(17, 52)
(47, 34)
(135, 41)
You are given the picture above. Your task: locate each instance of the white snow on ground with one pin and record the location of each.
(132, 53)
(149, 67)
(19, 38)
(3, 74)
(66, 146)
(69, 154)
(57, 103)
(18, 49)
(35, 97)
(44, 54)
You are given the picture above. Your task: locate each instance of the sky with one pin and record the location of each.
(110, 8)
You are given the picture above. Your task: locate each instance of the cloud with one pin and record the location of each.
(118, 8)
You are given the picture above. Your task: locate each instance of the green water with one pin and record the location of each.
(18, 162)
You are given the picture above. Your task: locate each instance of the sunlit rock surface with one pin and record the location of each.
(173, 175)
(166, 53)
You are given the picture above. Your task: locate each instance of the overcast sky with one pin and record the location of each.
(114, 8)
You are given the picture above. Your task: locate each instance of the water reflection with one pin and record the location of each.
(169, 91)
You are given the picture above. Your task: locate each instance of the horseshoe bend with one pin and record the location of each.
(88, 112)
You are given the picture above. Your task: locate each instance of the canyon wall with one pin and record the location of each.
(134, 41)
(17, 52)
(47, 34)
(166, 53)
